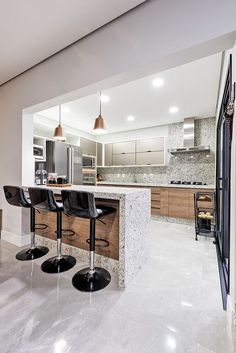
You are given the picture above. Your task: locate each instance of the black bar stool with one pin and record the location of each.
(15, 196)
(82, 204)
(43, 199)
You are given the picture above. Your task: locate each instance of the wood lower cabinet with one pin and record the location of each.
(173, 202)
(178, 200)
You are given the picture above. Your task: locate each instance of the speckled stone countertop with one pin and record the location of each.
(134, 220)
(155, 185)
(98, 191)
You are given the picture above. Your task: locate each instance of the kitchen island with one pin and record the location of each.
(125, 230)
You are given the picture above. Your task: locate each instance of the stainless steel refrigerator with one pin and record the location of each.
(64, 159)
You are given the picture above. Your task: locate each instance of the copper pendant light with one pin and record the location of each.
(59, 131)
(99, 125)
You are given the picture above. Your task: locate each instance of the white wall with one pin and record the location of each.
(156, 36)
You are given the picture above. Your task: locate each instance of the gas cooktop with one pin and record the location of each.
(179, 182)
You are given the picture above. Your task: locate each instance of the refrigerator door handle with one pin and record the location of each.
(69, 164)
(72, 165)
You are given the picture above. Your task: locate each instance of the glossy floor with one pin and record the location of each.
(173, 305)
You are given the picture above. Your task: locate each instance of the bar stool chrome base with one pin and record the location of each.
(32, 253)
(57, 265)
(86, 281)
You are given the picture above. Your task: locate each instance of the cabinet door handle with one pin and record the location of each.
(149, 151)
(122, 152)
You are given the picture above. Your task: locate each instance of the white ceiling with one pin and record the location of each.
(31, 30)
(191, 87)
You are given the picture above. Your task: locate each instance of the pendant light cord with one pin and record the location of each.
(59, 114)
(100, 105)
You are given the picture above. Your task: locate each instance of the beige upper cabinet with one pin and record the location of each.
(123, 159)
(88, 146)
(150, 145)
(99, 154)
(149, 158)
(140, 152)
(108, 154)
(124, 147)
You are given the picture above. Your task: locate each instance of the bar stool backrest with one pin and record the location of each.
(15, 196)
(79, 204)
(43, 199)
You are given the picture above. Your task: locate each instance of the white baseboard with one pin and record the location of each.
(16, 239)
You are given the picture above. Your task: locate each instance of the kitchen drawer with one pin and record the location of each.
(156, 211)
(123, 159)
(123, 147)
(155, 204)
(149, 158)
(151, 144)
(155, 197)
(156, 190)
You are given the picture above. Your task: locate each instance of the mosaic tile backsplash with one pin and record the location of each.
(196, 167)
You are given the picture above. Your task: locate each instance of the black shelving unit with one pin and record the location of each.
(205, 220)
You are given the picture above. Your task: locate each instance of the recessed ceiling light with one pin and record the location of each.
(105, 98)
(158, 82)
(66, 110)
(130, 118)
(173, 110)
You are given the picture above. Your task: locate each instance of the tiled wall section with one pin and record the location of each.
(196, 167)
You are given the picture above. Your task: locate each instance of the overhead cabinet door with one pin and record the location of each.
(108, 154)
(88, 146)
(149, 158)
(124, 147)
(124, 159)
(152, 145)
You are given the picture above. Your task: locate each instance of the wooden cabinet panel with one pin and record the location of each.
(156, 197)
(108, 154)
(156, 190)
(123, 159)
(178, 200)
(151, 144)
(99, 153)
(156, 211)
(156, 204)
(149, 158)
(88, 146)
(123, 147)
(164, 202)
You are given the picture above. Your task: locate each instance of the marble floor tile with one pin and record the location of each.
(172, 305)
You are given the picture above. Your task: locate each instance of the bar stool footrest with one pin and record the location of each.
(66, 232)
(104, 243)
(39, 226)
(55, 265)
(86, 282)
(31, 254)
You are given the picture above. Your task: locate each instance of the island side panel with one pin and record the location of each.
(135, 217)
(108, 231)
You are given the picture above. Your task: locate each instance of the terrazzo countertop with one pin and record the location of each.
(98, 191)
(155, 184)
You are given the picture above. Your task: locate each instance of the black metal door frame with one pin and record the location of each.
(223, 170)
